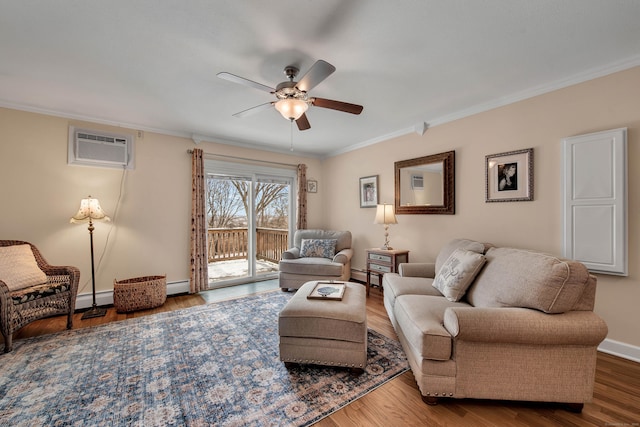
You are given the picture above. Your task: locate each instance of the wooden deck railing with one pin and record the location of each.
(232, 243)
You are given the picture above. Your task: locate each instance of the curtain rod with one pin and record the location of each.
(190, 151)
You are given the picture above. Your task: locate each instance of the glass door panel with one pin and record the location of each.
(228, 225)
(272, 216)
(249, 219)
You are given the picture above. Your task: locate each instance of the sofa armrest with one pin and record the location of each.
(524, 326)
(344, 256)
(417, 269)
(291, 253)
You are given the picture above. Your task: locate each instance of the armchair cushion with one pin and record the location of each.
(39, 291)
(19, 269)
(457, 273)
(318, 248)
(312, 266)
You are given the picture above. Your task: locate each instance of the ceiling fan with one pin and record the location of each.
(293, 97)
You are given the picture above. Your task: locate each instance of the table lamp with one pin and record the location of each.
(385, 215)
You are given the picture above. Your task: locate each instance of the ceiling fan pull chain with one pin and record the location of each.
(291, 120)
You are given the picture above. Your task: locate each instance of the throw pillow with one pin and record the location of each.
(457, 273)
(318, 248)
(18, 267)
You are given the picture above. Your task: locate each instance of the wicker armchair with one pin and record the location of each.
(56, 296)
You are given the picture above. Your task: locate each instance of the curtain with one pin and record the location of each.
(301, 221)
(199, 259)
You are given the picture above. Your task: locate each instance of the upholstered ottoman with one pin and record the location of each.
(325, 332)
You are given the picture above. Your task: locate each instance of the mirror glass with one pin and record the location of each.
(425, 185)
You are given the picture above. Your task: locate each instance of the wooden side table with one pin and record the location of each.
(380, 261)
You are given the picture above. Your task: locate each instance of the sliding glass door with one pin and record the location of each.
(249, 213)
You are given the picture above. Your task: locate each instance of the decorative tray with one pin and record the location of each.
(328, 291)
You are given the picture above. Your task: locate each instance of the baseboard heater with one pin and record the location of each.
(106, 297)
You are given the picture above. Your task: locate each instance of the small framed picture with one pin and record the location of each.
(509, 176)
(312, 186)
(369, 191)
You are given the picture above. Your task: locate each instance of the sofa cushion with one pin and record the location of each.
(18, 267)
(457, 273)
(311, 266)
(521, 278)
(420, 317)
(395, 285)
(451, 246)
(318, 248)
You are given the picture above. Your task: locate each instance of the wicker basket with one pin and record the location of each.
(139, 293)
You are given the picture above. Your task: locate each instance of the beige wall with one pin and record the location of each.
(40, 192)
(150, 234)
(541, 122)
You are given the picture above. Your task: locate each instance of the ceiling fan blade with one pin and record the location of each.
(253, 110)
(316, 74)
(337, 105)
(303, 122)
(246, 82)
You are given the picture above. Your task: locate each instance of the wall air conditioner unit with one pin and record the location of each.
(98, 148)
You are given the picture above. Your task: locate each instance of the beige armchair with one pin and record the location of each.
(316, 255)
(31, 289)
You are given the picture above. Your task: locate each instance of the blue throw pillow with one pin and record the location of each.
(318, 248)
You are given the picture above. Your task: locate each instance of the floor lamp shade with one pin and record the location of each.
(385, 215)
(89, 210)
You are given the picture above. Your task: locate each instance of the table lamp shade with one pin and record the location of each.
(89, 209)
(385, 215)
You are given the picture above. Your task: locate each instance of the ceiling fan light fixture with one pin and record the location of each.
(291, 108)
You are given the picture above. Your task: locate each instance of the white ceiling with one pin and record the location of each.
(152, 64)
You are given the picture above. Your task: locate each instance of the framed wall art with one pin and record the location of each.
(312, 186)
(509, 176)
(369, 191)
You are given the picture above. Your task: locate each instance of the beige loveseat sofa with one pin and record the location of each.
(523, 330)
(316, 255)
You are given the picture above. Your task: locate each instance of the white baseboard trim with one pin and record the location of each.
(106, 297)
(359, 275)
(620, 349)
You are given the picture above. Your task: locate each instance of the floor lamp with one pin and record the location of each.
(90, 209)
(385, 216)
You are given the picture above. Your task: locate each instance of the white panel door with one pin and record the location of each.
(595, 200)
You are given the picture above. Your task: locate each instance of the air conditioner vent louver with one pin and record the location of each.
(102, 138)
(92, 148)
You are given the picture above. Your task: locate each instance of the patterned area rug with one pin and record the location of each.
(215, 364)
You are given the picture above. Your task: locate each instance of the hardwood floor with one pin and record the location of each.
(616, 399)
